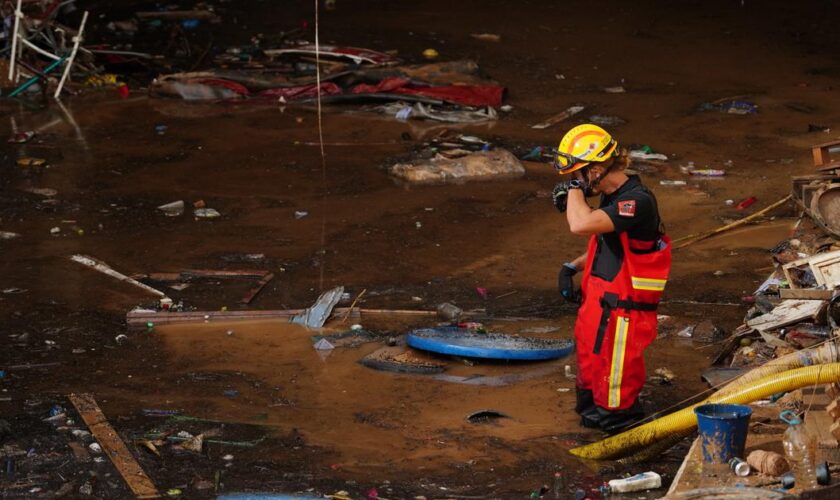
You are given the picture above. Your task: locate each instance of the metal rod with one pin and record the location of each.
(34, 79)
(76, 41)
(18, 15)
(39, 49)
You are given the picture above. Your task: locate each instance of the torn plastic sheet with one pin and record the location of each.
(316, 316)
(354, 54)
(419, 111)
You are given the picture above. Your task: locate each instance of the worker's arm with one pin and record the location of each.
(565, 280)
(583, 219)
(579, 262)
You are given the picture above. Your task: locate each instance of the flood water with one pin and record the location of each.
(410, 247)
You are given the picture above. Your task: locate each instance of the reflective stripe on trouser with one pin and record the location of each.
(617, 365)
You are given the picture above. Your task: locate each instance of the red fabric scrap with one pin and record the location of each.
(302, 92)
(390, 84)
(468, 95)
(228, 84)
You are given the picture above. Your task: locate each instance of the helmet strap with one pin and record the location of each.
(590, 185)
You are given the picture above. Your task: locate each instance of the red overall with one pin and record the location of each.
(617, 321)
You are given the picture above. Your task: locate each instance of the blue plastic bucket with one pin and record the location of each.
(723, 431)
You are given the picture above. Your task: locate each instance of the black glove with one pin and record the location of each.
(567, 284)
(560, 195)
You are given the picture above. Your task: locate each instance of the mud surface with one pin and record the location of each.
(329, 423)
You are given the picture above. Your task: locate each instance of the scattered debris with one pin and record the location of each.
(420, 111)
(640, 482)
(494, 164)
(21, 137)
(485, 416)
(486, 37)
(731, 105)
(607, 121)
(323, 345)
(559, 117)
(207, 213)
(316, 316)
(449, 312)
(173, 209)
(666, 376)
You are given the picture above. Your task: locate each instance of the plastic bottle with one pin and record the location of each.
(558, 485)
(800, 451)
(644, 481)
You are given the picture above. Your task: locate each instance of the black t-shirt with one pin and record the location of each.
(632, 209)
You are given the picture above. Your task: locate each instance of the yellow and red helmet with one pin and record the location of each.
(583, 145)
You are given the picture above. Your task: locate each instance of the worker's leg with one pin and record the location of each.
(585, 329)
(620, 374)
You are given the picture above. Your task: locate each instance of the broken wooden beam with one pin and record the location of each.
(824, 266)
(104, 268)
(833, 409)
(787, 313)
(805, 293)
(257, 288)
(114, 447)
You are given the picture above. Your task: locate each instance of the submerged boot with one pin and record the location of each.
(613, 422)
(591, 418)
(584, 400)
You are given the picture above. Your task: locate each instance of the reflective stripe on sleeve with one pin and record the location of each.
(652, 284)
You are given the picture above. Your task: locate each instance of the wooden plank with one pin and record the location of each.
(830, 492)
(786, 313)
(218, 273)
(691, 474)
(821, 154)
(140, 318)
(114, 447)
(827, 145)
(692, 452)
(805, 294)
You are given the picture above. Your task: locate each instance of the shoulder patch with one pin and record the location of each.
(627, 208)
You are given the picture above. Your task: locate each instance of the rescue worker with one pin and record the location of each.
(625, 269)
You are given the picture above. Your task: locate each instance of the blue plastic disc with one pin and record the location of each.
(469, 344)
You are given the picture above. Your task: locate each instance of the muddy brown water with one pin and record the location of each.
(257, 167)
